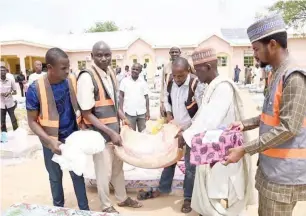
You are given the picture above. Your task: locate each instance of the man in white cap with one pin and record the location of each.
(221, 105)
(281, 174)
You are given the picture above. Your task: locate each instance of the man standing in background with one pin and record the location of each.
(236, 74)
(7, 88)
(21, 79)
(127, 72)
(38, 72)
(144, 71)
(134, 99)
(167, 70)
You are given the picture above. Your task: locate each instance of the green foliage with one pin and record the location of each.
(107, 26)
(294, 12)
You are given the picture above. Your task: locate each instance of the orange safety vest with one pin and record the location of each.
(48, 117)
(285, 163)
(105, 108)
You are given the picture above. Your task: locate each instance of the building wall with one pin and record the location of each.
(24, 50)
(223, 49)
(141, 50)
(297, 50)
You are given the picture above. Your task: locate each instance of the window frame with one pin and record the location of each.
(222, 61)
(248, 60)
(81, 64)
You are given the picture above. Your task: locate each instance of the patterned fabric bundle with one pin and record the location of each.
(205, 152)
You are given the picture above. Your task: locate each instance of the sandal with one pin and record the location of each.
(110, 210)
(130, 203)
(186, 207)
(144, 195)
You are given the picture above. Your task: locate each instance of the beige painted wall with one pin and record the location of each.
(297, 49)
(141, 50)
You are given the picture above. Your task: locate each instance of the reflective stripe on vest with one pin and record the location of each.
(104, 108)
(285, 163)
(48, 116)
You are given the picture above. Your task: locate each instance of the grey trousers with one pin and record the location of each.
(139, 121)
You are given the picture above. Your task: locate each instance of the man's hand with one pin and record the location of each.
(181, 141)
(162, 110)
(235, 154)
(126, 122)
(237, 124)
(116, 139)
(169, 117)
(54, 146)
(147, 116)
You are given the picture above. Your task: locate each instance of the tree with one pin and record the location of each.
(107, 26)
(294, 12)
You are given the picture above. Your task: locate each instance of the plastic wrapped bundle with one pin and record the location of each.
(150, 151)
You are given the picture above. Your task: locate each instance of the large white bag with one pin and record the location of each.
(78, 150)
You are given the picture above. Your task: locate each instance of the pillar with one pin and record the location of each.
(31, 63)
(6, 63)
(22, 63)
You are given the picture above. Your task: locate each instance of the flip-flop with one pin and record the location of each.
(144, 195)
(130, 203)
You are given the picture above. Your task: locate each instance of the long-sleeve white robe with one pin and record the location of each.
(219, 108)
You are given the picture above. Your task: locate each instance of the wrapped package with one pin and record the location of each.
(212, 146)
(150, 151)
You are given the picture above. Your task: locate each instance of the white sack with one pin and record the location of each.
(78, 150)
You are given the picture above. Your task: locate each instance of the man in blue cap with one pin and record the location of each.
(281, 174)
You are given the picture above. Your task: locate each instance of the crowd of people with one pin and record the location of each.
(196, 98)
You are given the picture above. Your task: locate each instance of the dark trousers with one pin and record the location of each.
(165, 183)
(21, 89)
(55, 178)
(12, 116)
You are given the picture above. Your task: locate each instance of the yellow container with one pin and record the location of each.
(158, 126)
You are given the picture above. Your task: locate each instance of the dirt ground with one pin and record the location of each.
(28, 182)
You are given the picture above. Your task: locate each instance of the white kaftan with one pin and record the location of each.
(221, 105)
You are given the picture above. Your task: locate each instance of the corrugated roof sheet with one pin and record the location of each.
(122, 39)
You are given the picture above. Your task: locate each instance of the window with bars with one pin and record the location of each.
(222, 61)
(248, 60)
(81, 65)
(134, 61)
(147, 60)
(114, 63)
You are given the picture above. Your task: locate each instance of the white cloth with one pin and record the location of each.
(179, 95)
(134, 95)
(209, 116)
(35, 76)
(85, 94)
(221, 105)
(257, 76)
(76, 150)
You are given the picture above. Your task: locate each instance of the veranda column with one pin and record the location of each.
(22, 63)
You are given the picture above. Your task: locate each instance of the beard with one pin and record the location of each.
(263, 64)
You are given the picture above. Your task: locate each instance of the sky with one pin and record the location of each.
(64, 16)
